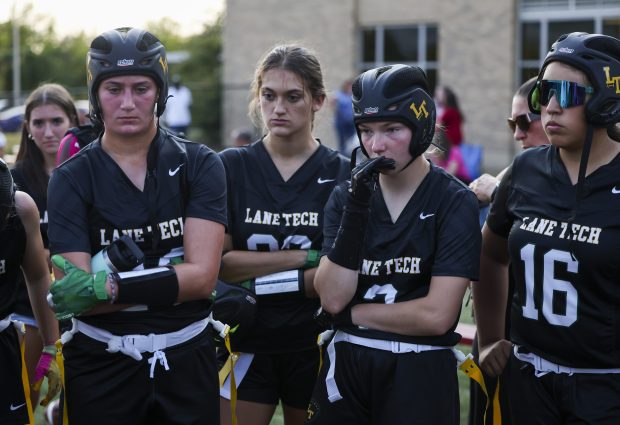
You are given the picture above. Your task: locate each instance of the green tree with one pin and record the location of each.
(201, 73)
(47, 57)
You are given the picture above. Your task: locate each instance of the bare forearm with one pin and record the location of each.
(48, 325)
(242, 265)
(431, 315)
(335, 284)
(490, 297)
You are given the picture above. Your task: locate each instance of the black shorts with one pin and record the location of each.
(112, 388)
(289, 377)
(555, 399)
(379, 387)
(13, 409)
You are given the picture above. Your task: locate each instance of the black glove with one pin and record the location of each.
(333, 321)
(364, 177)
(349, 239)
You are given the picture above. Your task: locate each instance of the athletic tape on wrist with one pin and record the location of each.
(153, 287)
(287, 282)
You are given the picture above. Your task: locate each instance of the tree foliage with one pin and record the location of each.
(48, 57)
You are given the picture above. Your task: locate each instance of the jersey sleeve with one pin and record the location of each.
(67, 214)
(459, 238)
(332, 216)
(207, 188)
(500, 219)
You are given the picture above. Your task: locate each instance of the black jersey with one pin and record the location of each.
(437, 234)
(92, 202)
(12, 248)
(565, 307)
(39, 198)
(23, 306)
(266, 213)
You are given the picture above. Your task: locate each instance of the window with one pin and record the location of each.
(411, 45)
(541, 22)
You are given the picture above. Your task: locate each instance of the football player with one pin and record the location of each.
(555, 220)
(280, 183)
(401, 243)
(140, 351)
(21, 249)
(49, 112)
(527, 129)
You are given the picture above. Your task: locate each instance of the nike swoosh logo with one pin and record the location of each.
(615, 191)
(16, 407)
(321, 181)
(425, 216)
(172, 172)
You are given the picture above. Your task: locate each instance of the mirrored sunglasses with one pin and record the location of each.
(522, 121)
(567, 93)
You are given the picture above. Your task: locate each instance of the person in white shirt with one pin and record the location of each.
(178, 116)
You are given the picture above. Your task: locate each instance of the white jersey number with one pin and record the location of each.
(387, 290)
(550, 285)
(269, 241)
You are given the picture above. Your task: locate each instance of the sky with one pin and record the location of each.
(96, 16)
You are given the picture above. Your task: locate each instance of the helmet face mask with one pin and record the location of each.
(598, 57)
(126, 51)
(396, 93)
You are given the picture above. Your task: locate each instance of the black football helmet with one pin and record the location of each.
(126, 51)
(598, 56)
(396, 93)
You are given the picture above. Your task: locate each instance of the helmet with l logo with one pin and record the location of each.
(396, 93)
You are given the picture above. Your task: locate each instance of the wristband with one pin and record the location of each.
(153, 287)
(312, 259)
(50, 349)
(287, 282)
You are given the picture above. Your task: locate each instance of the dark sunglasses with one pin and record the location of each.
(522, 121)
(567, 93)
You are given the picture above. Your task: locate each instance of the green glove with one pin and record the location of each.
(78, 291)
(312, 259)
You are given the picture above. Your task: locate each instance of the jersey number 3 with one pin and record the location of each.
(550, 286)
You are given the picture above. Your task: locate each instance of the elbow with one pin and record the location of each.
(440, 323)
(334, 305)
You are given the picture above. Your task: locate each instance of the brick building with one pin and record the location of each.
(483, 49)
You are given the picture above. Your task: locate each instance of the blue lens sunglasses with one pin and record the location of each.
(567, 93)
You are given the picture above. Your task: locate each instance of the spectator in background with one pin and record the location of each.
(449, 116)
(343, 117)
(449, 158)
(241, 137)
(526, 128)
(178, 115)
